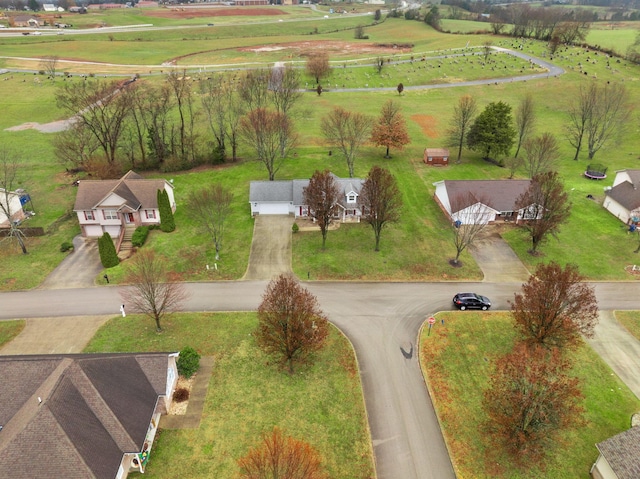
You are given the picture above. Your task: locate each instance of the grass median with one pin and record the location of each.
(10, 329)
(248, 395)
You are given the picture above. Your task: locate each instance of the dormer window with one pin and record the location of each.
(351, 197)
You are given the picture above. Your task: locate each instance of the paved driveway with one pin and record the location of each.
(271, 247)
(79, 269)
(496, 259)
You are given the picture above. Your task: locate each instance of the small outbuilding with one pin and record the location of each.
(436, 156)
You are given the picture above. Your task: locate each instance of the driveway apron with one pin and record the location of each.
(79, 269)
(270, 248)
(497, 260)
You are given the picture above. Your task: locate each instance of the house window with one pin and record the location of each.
(506, 214)
(151, 214)
(88, 215)
(110, 214)
(351, 198)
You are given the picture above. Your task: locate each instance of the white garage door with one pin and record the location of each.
(274, 209)
(93, 231)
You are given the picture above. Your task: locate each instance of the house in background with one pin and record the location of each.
(115, 206)
(619, 456)
(436, 156)
(287, 198)
(12, 202)
(623, 198)
(481, 201)
(92, 416)
(25, 21)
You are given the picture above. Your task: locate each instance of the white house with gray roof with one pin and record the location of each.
(286, 197)
(623, 198)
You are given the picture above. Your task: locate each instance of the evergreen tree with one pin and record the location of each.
(493, 131)
(167, 222)
(108, 256)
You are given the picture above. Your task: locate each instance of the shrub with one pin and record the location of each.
(140, 236)
(188, 362)
(181, 395)
(66, 246)
(106, 248)
(295, 228)
(167, 222)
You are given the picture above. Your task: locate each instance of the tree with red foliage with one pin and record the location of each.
(555, 307)
(529, 400)
(390, 130)
(290, 322)
(322, 196)
(282, 457)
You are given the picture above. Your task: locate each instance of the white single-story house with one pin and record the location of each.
(623, 198)
(619, 456)
(12, 203)
(286, 197)
(92, 416)
(113, 205)
(481, 201)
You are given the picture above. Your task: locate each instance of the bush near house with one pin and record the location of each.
(188, 362)
(140, 236)
(167, 222)
(108, 256)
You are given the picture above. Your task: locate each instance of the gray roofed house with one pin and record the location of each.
(287, 197)
(480, 201)
(114, 206)
(90, 416)
(619, 456)
(623, 198)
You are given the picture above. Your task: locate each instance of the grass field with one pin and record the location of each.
(249, 395)
(630, 320)
(9, 330)
(456, 359)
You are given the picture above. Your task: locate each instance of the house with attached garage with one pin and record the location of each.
(113, 206)
(481, 201)
(286, 197)
(623, 198)
(82, 416)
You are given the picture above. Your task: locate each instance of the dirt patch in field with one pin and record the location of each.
(331, 47)
(427, 123)
(185, 12)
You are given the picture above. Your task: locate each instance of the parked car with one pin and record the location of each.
(464, 301)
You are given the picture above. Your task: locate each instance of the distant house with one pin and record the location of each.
(16, 201)
(92, 416)
(481, 201)
(113, 205)
(49, 7)
(287, 198)
(623, 198)
(619, 456)
(25, 21)
(436, 156)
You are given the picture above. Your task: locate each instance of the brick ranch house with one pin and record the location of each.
(286, 198)
(114, 206)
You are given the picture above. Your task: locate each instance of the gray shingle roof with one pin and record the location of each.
(136, 191)
(501, 195)
(625, 193)
(622, 452)
(93, 409)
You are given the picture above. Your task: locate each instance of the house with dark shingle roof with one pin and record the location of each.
(287, 198)
(81, 416)
(623, 198)
(619, 456)
(112, 205)
(481, 201)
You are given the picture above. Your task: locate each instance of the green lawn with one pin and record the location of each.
(457, 358)
(249, 395)
(10, 329)
(630, 320)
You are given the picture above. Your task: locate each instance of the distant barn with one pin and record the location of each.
(436, 156)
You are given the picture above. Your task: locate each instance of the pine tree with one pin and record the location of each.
(167, 222)
(108, 256)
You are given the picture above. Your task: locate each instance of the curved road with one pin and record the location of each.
(382, 321)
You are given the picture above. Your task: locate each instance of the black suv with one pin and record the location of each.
(464, 301)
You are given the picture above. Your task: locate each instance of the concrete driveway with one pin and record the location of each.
(270, 248)
(79, 269)
(496, 259)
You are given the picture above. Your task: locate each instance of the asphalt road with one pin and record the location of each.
(382, 321)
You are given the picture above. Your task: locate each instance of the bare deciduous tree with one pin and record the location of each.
(150, 293)
(347, 131)
(9, 201)
(50, 65)
(540, 154)
(322, 196)
(525, 118)
(264, 130)
(471, 219)
(545, 207)
(318, 66)
(152, 106)
(290, 322)
(555, 307)
(611, 114)
(185, 143)
(285, 88)
(214, 103)
(281, 457)
(463, 114)
(381, 200)
(75, 147)
(253, 88)
(211, 206)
